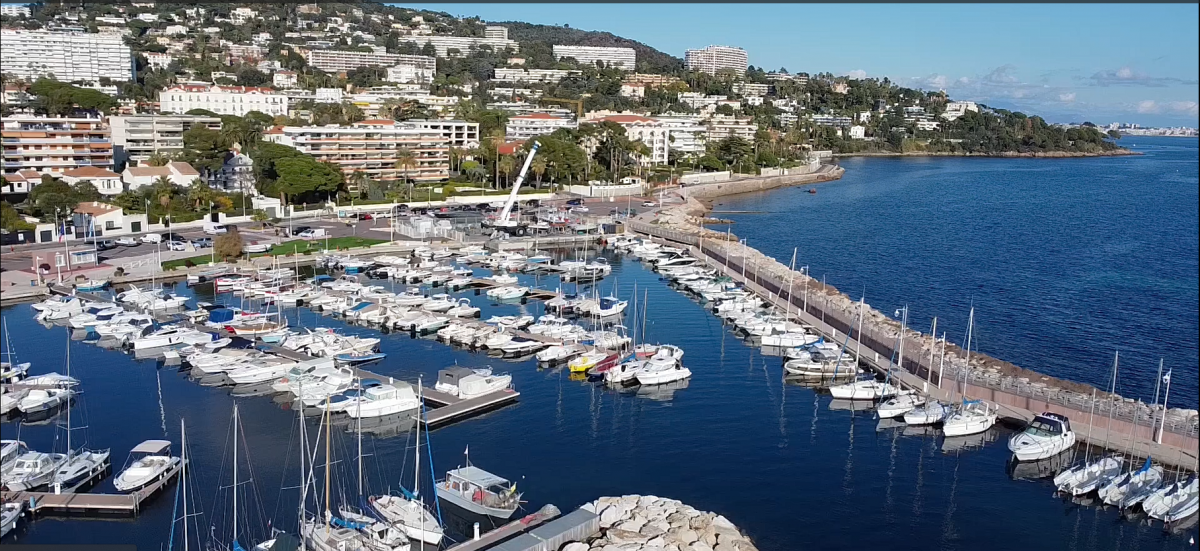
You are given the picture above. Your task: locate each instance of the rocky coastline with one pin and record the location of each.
(651, 523)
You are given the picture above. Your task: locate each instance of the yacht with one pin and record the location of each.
(410, 515)
(586, 361)
(10, 450)
(971, 417)
(439, 303)
(497, 339)
(1049, 434)
(930, 413)
(10, 515)
(148, 463)
(32, 471)
(386, 399)
(624, 372)
(169, 336)
(863, 389)
(38, 400)
(560, 353)
(605, 307)
(479, 491)
(898, 405)
(507, 292)
(1087, 478)
(467, 383)
(463, 309)
(521, 347)
(662, 368)
(1132, 482)
(790, 339)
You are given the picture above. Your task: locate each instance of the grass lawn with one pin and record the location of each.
(297, 246)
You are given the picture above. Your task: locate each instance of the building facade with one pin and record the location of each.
(222, 100)
(178, 173)
(523, 127)
(649, 131)
(236, 174)
(138, 137)
(54, 145)
(532, 75)
(15, 10)
(106, 181)
(333, 61)
(372, 147)
(462, 45)
(687, 135)
(459, 134)
(69, 56)
(415, 69)
(724, 126)
(716, 58)
(624, 58)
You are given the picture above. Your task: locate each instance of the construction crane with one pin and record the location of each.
(578, 103)
(504, 220)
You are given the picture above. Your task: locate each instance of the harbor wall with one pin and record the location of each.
(797, 176)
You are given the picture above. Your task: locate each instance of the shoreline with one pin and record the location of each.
(1003, 155)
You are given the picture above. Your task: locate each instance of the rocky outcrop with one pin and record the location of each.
(651, 523)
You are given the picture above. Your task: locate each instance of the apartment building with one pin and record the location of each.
(956, 109)
(158, 61)
(532, 75)
(685, 134)
(106, 181)
(717, 58)
(372, 147)
(222, 100)
(54, 145)
(137, 137)
(15, 10)
(696, 100)
(523, 127)
(413, 69)
(625, 58)
(284, 79)
(245, 53)
(69, 56)
(751, 89)
(724, 126)
(832, 120)
(495, 32)
(179, 173)
(461, 45)
(651, 132)
(333, 61)
(459, 134)
(799, 78)
(649, 81)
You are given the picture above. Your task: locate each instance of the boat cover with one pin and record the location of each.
(220, 315)
(478, 476)
(452, 375)
(152, 447)
(285, 542)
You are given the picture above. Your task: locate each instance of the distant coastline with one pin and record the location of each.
(1006, 154)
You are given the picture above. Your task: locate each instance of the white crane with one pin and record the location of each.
(503, 220)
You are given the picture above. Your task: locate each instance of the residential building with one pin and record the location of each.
(158, 61)
(532, 75)
(717, 58)
(53, 145)
(510, 93)
(96, 218)
(649, 81)
(328, 95)
(633, 90)
(15, 94)
(726, 126)
(19, 182)
(927, 124)
(864, 117)
(696, 100)
(106, 181)
(685, 134)
(651, 132)
(831, 120)
(15, 10)
(223, 100)
(462, 45)
(333, 61)
(284, 79)
(236, 174)
(242, 15)
(178, 173)
(858, 132)
(624, 58)
(245, 53)
(752, 89)
(415, 69)
(175, 30)
(787, 119)
(459, 134)
(69, 56)
(138, 137)
(371, 147)
(753, 100)
(956, 109)
(525, 108)
(495, 32)
(523, 127)
(800, 79)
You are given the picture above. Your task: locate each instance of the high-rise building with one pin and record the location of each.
(716, 58)
(624, 58)
(15, 10)
(496, 32)
(137, 137)
(69, 56)
(373, 148)
(54, 145)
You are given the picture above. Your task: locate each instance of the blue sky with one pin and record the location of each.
(1100, 62)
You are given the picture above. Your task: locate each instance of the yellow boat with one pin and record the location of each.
(585, 362)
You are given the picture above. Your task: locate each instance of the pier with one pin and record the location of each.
(86, 504)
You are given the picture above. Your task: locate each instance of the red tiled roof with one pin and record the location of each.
(23, 176)
(510, 148)
(625, 119)
(376, 122)
(274, 130)
(91, 172)
(95, 208)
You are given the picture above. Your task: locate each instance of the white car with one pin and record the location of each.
(649, 204)
(580, 208)
(152, 238)
(177, 245)
(257, 248)
(126, 242)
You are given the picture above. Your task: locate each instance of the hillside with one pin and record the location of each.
(649, 60)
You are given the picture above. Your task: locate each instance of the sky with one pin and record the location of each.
(1068, 63)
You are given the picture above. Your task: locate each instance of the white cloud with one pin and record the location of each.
(1185, 107)
(1067, 97)
(962, 81)
(857, 74)
(1149, 106)
(1127, 76)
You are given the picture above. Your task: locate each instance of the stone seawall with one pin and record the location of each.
(651, 523)
(763, 183)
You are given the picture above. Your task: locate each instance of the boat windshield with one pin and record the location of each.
(1044, 428)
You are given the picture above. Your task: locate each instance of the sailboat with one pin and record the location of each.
(80, 466)
(1091, 475)
(323, 534)
(380, 536)
(407, 511)
(972, 416)
(904, 401)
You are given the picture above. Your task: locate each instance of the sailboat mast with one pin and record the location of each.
(932, 349)
(69, 397)
(417, 465)
(358, 429)
(962, 377)
(303, 452)
(183, 479)
(787, 316)
(235, 461)
(328, 515)
(1088, 454)
(1112, 405)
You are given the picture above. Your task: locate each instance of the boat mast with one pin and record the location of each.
(183, 478)
(962, 377)
(303, 452)
(358, 429)
(1088, 454)
(932, 349)
(69, 396)
(235, 461)
(1112, 405)
(791, 277)
(328, 515)
(417, 466)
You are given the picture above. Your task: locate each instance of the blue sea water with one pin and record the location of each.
(1065, 260)
(785, 463)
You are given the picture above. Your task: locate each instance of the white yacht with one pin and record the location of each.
(38, 400)
(32, 471)
(560, 353)
(1087, 478)
(1048, 435)
(148, 463)
(10, 450)
(930, 413)
(864, 389)
(463, 309)
(10, 515)
(439, 303)
(169, 336)
(507, 292)
(662, 368)
(971, 417)
(469, 383)
(386, 399)
(899, 405)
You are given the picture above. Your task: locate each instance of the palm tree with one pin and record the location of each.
(158, 159)
(406, 160)
(198, 193)
(506, 164)
(358, 181)
(538, 166)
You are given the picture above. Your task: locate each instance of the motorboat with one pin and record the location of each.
(149, 462)
(439, 303)
(507, 292)
(864, 389)
(503, 278)
(1049, 434)
(560, 353)
(411, 297)
(520, 347)
(821, 364)
(662, 368)
(970, 417)
(479, 491)
(260, 372)
(429, 324)
(790, 339)
(510, 322)
(1173, 502)
(10, 515)
(929, 413)
(91, 285)
(384, 399)
(355, 358)
(1132, 482)
(10, 450)
(605, 307)
(469, 383)
(410, 515)
(38, 400)
(624, 372)
(496, 340)
(1086, 478)
(32, 471)
(463, 309)
(898, 405)
(169, 336)
(586, 361)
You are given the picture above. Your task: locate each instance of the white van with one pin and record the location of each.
(313, 233)
(152, 238)
(213, 228)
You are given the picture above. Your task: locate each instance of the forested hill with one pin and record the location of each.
(537, 37)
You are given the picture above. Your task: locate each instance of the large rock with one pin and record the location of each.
(652, 530)
(575, 546)
(620, 536)
(699, 546)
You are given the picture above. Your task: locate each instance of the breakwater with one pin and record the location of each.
(651, 523)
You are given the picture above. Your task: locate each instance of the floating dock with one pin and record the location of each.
(510, 530)
(86, 504)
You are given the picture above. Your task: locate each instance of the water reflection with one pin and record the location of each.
(1042, 468)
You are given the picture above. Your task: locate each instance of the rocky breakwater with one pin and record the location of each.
(650, 523)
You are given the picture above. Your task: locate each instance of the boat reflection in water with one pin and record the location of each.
(953, 444)
(662, 393)
(1042, 468)
(384, 426)
(888, 423)
(851, 405)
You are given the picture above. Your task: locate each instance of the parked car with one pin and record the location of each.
(126, 242)
(105, 245)
(202, 242)
(574, 202)
(363, 216)
(177, 245)
(214, 229)
(312, 233)
(649, 204)
(297, 230)
(580, 208)
(255, 248)
(169, 236)
(152, 238)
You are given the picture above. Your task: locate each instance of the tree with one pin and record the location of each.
(86, 191)
(229, 244)
(158, 159)
(11, 220)
(261, 217)
(300, 176)
(52, 196)
(199, 195)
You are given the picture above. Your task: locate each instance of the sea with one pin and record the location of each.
(785, 463)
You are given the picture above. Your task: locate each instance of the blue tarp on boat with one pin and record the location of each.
(220, 315)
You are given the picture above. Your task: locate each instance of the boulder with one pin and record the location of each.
(575, 546)
(722, 522)
(632, 525)
(698, 546)
(652, 530)
(611, 515)
(687, 535)
(620, 536)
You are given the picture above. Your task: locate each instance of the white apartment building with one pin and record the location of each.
(751, 89)
(328, 95)
(137, 137)
(413, 73)
(462, 44)
(284, 79)
(799, 78)
(159, 61)
(15, 10)
(106, 181)
(459, 134)
(333, 61)
(371, 147)
(53, 145)
(857, 132)
(633, 90)
(696, 100)
(69, 56)
(495, 32)
(523, 127)
(222, 100)
(725, 126)
(685, 134)
(831, 120)
(624, 58)
(651, 132)
(956, 109)
(716, 58)
(532, 75)
(179, 173)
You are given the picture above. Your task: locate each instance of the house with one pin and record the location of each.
(237, 174)
(106, 181)
(20, 182)
(99, 218)
(284, 79)
(180, 174)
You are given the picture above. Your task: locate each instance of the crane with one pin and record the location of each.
(503, 220)
(578, 103)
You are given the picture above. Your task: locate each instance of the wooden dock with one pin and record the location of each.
(444, 408)
(510, 530)
(86, 504)
(486, 284)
